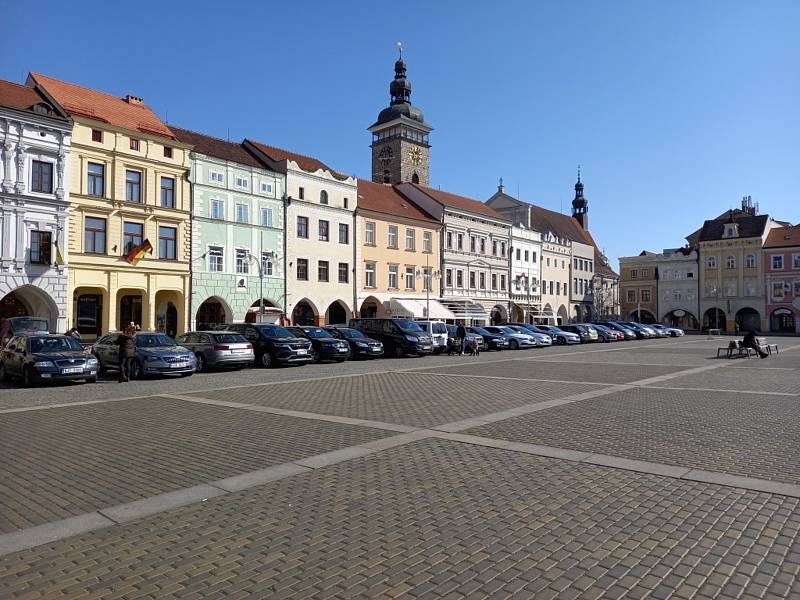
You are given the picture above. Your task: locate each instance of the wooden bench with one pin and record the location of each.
(735, 349)
(768, 347)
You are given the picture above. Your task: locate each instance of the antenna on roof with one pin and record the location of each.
(229, 134)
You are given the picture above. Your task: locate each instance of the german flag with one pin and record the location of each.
(137, 254)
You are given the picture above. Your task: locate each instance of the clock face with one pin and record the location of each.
(385, 156)
(416, 156)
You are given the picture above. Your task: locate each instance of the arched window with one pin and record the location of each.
(730, 262)
(750, 261)
(415, 178)
(711, 262)
(323, 197)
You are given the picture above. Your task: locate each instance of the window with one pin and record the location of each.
(777, 261)
(472, 241)
(482, 279)
(41, 246)
(94, 240)
(634, 274)
(344, 272)
(483, 245)
(266, 217)
(472, 279)
(533, 256)
(132, 234)
(449, 240)
(241, 182)
(631, 295)
(448, 277)
(369, 233)
(133, 186)
(392, 237)
(323, 230)
(96, 179)
(393, 276)
(503, 248)
(551, 288)
(460, 278)
(217, 177)
(369, 275)
(645, 273)
(266, 264)
(796, 261)
(97, 135)
(574, 285)
(427, 279)
(494, 281)
(750, 261)
(167, 192)
(711, 262)
(242, 213)
(217, 209)
(323, 197)
(167, 243)
(167, 152)
(302, 227)
(645, 295)
(519, 254)
(301, 193)
(242, 261)
(527, 255)
(344, 233)
(42, 177)
(322, 270)
(502, 282)
(409, 278)
(411, 239)
(266, 187)
(730, 262)
(302, 269)
(460, 241)
(575, 263)
(215, 259)
(346, 202)
(777, 290)
(134, 144)
(494, 248)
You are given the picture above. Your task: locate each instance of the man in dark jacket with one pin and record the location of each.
(127, 352)
(461, 334)
(751, 341)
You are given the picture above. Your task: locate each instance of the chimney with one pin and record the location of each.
(130, 99)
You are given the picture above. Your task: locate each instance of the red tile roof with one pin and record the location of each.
(211, 146)
(23, 97)
(782, 237)
(99, 106)
(384, 198)
(459, 202)
(307, 163)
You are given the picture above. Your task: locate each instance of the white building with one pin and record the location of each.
(526, 255)
(320, 237)
(34, 200)
(582, 282)
(678, 293)
(555, 267)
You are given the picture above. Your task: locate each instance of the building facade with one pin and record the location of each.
(678, 288)
(782, 279)
(237, 234)
(581, 292)
(130, 214)
(606, 288)
(556, 257)
(320, 236)
(398, 257)
(525, 258)
(35, 133)
(639, 287)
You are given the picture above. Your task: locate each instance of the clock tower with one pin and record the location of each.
(400, 148)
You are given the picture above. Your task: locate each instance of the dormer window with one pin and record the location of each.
(42, 109)
(323, 197)
(730, 230)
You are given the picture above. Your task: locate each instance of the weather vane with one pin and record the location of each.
(400, 47)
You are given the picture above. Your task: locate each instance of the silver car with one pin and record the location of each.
(215, 349)
(156, 354)
(516, 340)
(541, 339)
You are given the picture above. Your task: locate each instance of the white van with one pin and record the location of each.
(438, 332)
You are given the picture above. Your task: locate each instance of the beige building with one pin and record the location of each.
(128, 190)
(555, 268)
(639, 287)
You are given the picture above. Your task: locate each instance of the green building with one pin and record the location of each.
(237, 234)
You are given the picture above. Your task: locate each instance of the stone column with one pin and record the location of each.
(8, 164)
(19, 187)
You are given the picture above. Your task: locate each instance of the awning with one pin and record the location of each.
(465, 309)
(412, 308)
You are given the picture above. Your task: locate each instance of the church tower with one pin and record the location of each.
(400, 148)
(580, 206)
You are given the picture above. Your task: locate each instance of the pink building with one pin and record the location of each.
(782, 277)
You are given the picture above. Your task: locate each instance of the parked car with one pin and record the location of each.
(659, 330)
(491, 341)
(361, 346)
(156, 354)
(454, 343)
(215, 349)
(398, 336)
(641, 331)
(46, 357)
(28, 325)
(586, 332)
(560, 336)
(627, 332)
(671, 331)
(437, 330)
(273, 345)
(540, 337)
(323, 345)
(516, 340)
(606, 334)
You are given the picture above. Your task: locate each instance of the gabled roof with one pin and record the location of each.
(458, 202)
(99, 106)
(307, 163)
(384, 198)
(748, 227)
(563, 226)
(24, 97)
(211, 146)
(782, 237)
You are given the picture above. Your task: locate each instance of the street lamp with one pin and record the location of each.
(427, 274)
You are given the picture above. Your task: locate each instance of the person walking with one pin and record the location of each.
(461, 334)
(127, 351)
(5, 331)
(73, 332)
(751, 341)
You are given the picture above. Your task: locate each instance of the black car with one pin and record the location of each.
(156, 354)
(491, 341)
(361, 346)
(398, 336)
(273, 344)
(323, 345)
(35, 358)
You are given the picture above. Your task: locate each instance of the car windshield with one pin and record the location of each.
(54, 344)
(229, 338)
(317, 332)
(438, 328)
(481, 331)
(351, 334)
(151, 340)
(275, 331)
(518, 329)
(408, 325)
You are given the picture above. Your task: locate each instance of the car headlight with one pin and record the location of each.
(412, 338)
(362, 344)
(91, 360)
(43, 364)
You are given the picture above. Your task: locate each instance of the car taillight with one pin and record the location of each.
(249, 346)
(221, 347)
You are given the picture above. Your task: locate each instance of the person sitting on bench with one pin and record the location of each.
(751, 341)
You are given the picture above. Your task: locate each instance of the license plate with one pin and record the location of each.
(179, 365)
(302, 351)
(425, 347)
(69, 370)
(342, 349)
(238, 350)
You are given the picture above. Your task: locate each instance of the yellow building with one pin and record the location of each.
(397, 257)
(129, 191)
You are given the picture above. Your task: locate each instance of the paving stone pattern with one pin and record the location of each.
(67, 461)
(435, 520)
(741, 434)
(415, 399)
(763, 380)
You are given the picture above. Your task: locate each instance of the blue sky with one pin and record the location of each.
(674, 109)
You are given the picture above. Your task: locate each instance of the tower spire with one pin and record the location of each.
(580, 207)
(400, 47)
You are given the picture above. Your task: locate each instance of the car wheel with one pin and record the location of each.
(514, 345)
(137, 372)
(3, 374)
(398, 351)
(27, 377)
(91, 380)
(316, 357)
(561, 341)
(100, 367)
(201, 362)
(265, 360)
